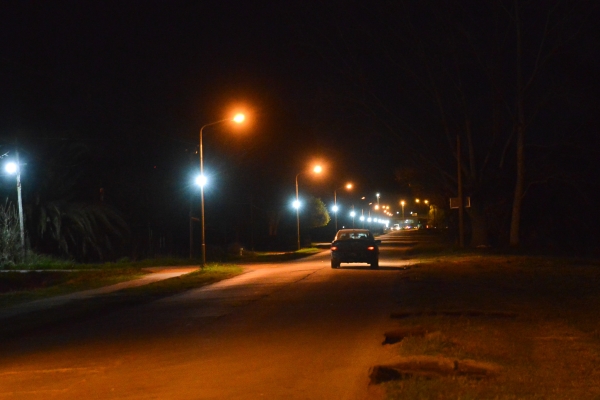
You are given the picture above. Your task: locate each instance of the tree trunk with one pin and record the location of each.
(520, 127)
(479, 234)
(519, 187)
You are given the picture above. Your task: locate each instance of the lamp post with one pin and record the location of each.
(13, 168)
(352, 214)
(402, 203)
(238, 118)
(335, 207)
(317, 170)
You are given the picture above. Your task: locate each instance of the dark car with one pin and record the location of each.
(354, 246)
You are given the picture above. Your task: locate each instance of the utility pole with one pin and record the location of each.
(461, 224)
(20, 199)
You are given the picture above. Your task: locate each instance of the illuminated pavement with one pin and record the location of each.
(296, 330)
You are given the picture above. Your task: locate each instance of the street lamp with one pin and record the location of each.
(348, 186)
(317, 170)
(352, 214)
(402, 203)
(15, 168)
(201, 180)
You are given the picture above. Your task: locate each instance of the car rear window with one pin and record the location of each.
(353, 235)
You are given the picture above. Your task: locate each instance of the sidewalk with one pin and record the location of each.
(156, 274)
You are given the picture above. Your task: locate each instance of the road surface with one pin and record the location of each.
(294, 330)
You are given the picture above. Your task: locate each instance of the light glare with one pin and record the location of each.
(11, 167)
(239, 118)
(201, 180)
(296, 204)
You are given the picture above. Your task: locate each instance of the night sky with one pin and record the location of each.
(133, 81)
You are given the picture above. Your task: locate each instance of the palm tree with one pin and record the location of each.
(59, 222)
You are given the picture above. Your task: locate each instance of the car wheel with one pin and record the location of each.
(335, 264)
(375, 264)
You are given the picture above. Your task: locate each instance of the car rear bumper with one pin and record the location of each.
(354, 258)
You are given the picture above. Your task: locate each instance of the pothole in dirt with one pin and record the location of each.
(397, 335)
(430, 368)
(469, 313)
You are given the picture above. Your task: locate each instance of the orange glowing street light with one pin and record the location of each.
(238, 119)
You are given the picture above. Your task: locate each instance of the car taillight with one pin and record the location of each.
(333, 248)
(371, 248)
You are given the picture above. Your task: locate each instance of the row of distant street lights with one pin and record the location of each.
(14, 168)
(201, 181)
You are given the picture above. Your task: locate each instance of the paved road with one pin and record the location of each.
(295, 330)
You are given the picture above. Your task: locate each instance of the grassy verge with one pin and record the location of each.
(19, 287)
(497, 327)
(82, 309)
(265, 257)
(45, 263)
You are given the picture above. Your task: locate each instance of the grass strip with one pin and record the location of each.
(79, 310)
(521, 327)
(21, 287)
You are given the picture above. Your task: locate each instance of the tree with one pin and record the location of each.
(58, 219)
(316, 215)
(423, 73)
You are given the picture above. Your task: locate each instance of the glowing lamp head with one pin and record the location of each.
(11, 168)
(201, 180)
(296, 204)
(348, 186)
(335, 209)
(239, 118)
(352, 214)
(317, 169)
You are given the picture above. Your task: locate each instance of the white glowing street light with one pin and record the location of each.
(11, 167)
(201, 180)
(317, 170)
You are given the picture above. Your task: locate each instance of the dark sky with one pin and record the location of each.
(139, 72)
(135, 80)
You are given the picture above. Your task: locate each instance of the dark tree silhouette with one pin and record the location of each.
(421, 74)
(59, 220)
